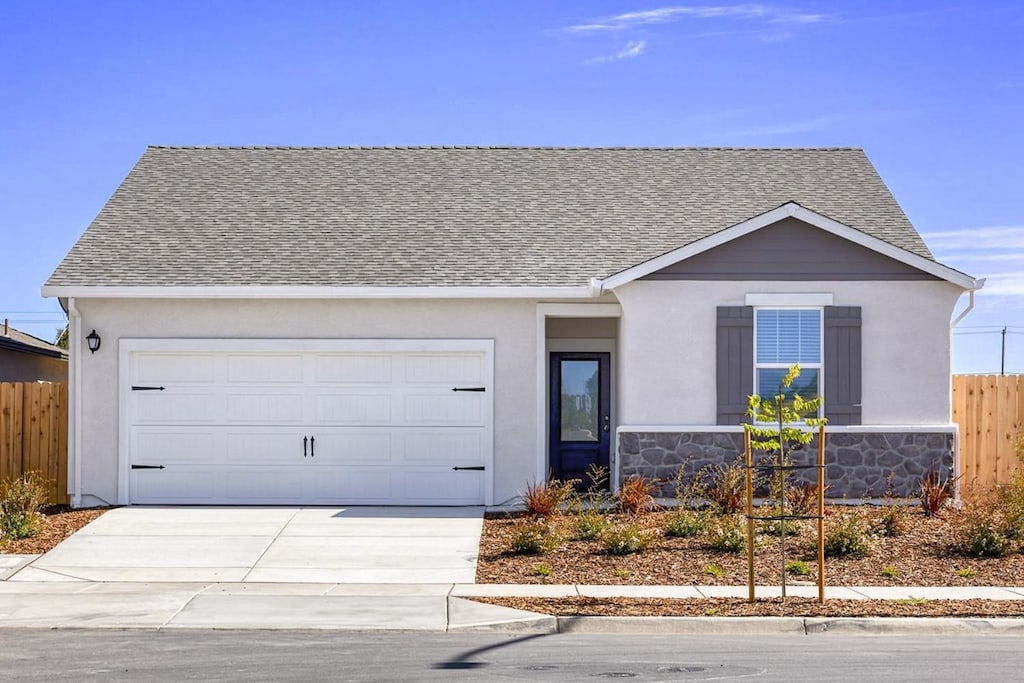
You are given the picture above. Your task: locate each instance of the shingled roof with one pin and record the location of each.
(450, 216)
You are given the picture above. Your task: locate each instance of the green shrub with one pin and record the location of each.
(531, 537)
(893, 521)
(966, 573)
(682, 523)
(798, 568)
(890, 571)
(542, 569)
(778, 527)
(588, 525)
(20, 501)
(625, 538)
(985, 537)
(847, 536)
(714, 570)
(726, 534)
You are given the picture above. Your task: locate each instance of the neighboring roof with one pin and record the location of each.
(16, 340)
(450, 216)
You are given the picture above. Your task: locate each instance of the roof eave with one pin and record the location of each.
(312, 292)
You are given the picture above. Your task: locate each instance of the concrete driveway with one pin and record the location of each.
(352, 545)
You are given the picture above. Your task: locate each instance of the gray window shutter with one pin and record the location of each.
(735, 362)
(842, 365)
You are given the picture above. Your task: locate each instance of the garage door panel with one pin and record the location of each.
(176, 407)
(276, 368)
(264, 407)
(353, 408)
(431, 486)
(444, 368)
(354, 368)
(273, 485)
(444, 447)
(356, 485)
(192, 368)
(263, 448)
(447, 408)
(356, 447)
(163, 446)
(178, 485)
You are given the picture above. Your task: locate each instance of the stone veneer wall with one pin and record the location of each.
(857, 464)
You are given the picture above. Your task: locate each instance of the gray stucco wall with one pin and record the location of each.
(18, 366)
(858, 464)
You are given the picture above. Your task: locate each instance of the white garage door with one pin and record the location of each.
(399, 422)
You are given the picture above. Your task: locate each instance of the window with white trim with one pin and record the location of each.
(784, 337)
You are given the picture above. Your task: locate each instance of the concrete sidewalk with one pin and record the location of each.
(438, 608)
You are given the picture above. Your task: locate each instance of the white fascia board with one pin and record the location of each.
(274, 292)
(794, 210)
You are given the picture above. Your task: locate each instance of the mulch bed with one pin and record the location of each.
(734, 607)
(61, 522)
(923, 556)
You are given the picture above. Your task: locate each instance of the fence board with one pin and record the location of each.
(990, 412)
(34, 433)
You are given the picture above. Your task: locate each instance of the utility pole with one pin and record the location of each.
(1002, 355)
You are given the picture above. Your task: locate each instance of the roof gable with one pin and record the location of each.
(739, 253)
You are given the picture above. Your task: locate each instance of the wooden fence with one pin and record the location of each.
(34, 433)
(990, 412)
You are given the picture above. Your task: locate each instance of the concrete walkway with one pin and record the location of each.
(434, 607)
(268, 545)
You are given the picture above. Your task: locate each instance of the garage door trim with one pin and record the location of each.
(127, 347)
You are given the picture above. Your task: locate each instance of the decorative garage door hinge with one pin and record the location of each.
(470, 389)
(138, 388)
(478, 468)
(147, 467)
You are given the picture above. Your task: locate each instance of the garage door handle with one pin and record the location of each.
(312, 446)
(470, 389)
(138, 388)
(305, 440)
(478, 468)
(147, 467)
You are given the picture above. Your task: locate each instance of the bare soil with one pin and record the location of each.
(924, 555)
(61, 522)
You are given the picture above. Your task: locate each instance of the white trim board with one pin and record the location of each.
(794, 210)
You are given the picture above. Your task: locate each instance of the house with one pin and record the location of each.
(24, 358)
(445, 325)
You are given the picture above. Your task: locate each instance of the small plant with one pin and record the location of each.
(798, 568)
(890, 571)
(935, 493)
(965, 573)
(803, 498)
(779, 527)
(682, 523)
(544, 499)
(622, 573)
(912, 601)
(984, 537)
(636, 496)
(588, 525)
(532, 537)
(726, 534)
(21, 499)
(847, 536)
(625, 539)
(892, 522)
(542, 569)
(714, 570)
(726, 486)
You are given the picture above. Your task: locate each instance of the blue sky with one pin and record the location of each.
(934, 91)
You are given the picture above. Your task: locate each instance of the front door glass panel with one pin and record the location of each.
(579, 400)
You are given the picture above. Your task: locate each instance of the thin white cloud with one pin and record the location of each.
(792, 128)
(633, 48)
(663, 15)
(968, 242)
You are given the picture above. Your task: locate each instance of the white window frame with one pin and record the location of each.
(819, 366)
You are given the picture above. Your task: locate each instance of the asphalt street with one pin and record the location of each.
(185, 655)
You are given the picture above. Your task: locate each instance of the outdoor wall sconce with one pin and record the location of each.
(93, 340)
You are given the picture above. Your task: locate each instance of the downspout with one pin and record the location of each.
(75, 393)
(978, 284)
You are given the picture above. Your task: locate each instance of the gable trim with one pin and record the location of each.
(794, 210)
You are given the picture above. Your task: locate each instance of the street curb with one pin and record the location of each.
(937, 626)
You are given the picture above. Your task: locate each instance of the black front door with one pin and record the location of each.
(580, 417)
